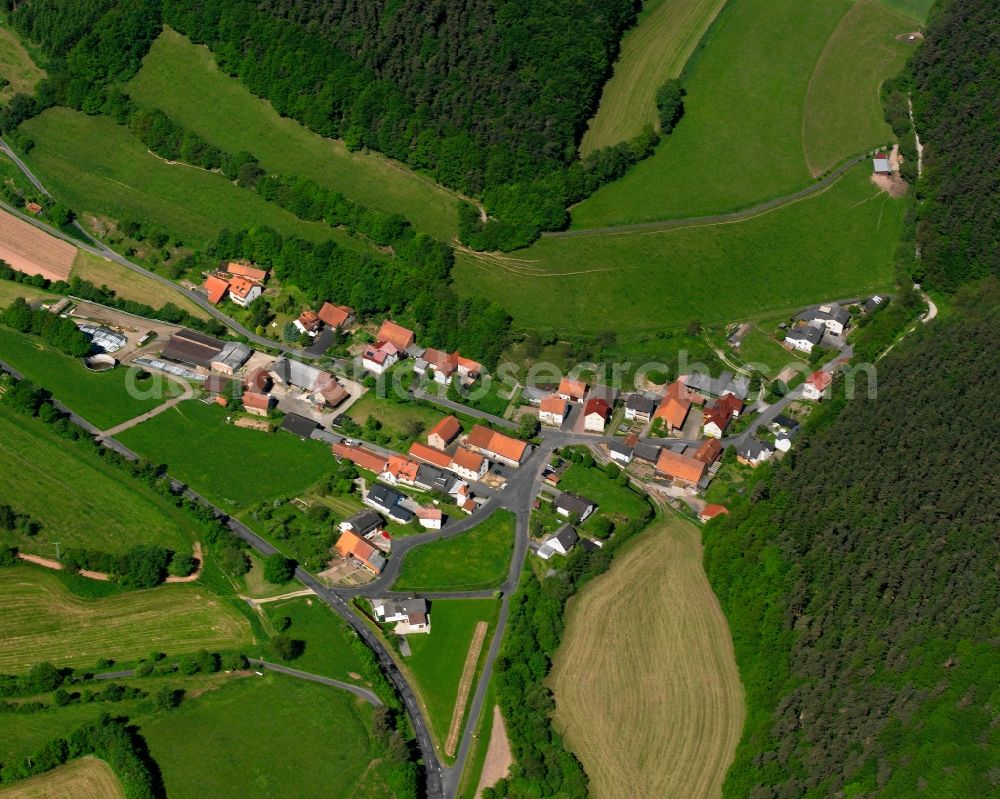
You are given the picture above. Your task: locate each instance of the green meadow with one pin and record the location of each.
(79, 499)
(232, 466)
(471, 561)
(838, 243)
(183, 81)
(97, 167)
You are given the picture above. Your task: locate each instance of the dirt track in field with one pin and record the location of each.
(32, 251)
(647, 690)
(465, 687)
(498, 755)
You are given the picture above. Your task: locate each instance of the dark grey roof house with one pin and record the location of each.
(574, 505)
(362, 523)
(299, 425)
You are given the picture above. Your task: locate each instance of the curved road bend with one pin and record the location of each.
(713, 219)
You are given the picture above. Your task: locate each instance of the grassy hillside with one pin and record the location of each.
(79, 499)
(16, 67)
(860, 583)
(86, 778)
(285, 738)
(96, 166)
(741, 137)
(833, 245)
(918, 9)
(41, 620)
(843, 114)
(657, 48)
(647, 691)
(183, 80)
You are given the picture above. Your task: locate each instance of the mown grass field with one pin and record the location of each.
(79, 499)
(843, 115)
(438, 659)
(9, 291)
(759, 348)
(86, 778)
(657, 48)
(394, 416)
(284, 737)
(102, 398)
(918, 9)
(96, 166)
(16, 66)
(650, 698)
(130, 285)
(477, 559)
(41, 620)
(234, 467)
(328, 649)
(740, 141)
(183, 80)
(836, 244)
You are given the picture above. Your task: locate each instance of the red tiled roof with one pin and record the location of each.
(402, 468)
(251, 272)
(711, 511)
(553, 404)
(217, 288)
(435, 457)
(709, 451)
(572, 388)
(597, 406)
(361, 457)
(251, 399)
(397, 334)
(335, 315)
(821, 380)
(723, 410)
(258, 380)
(447, 429)
(467, 459)
(493, 442)
(240, 287)
(679, 466)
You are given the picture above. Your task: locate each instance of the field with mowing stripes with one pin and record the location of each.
(86, 778)
(79, 499)
(650, 698)
(740, 141)
(183, 81)
(41, 620)
(657, 48)
(843, 114)
(840, 243)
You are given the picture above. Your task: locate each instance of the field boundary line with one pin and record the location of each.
(465, 687)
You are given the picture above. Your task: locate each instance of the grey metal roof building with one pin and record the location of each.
(834, 311)
(190, 347)
(233, 355)
(299, 425)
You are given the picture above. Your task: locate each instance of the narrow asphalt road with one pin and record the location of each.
(458, 407)
(713, 219)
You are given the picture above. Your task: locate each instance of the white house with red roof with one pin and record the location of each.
(817, 386)
(380, 357)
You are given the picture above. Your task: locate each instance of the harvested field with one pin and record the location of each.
(499, 758)
(465, 687)
(86, 778)
(650, 698)
(41, 620)
(28, 249)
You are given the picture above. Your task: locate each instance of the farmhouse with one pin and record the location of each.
(390, 502)
(709, 451)
(574, 506)
(360, 457)
(231, 357)
(431, 518)
(298, 425)
(469, 465)
(410, 615)
(561, 542)
(351, 546)
(258, 380)
(681, 468)
(336, 316)
(216, 289)
(362, 523)
(400, 470)
(834, 317)
(193, 349)
(620, 451)
(572, 390)
(244, 270)
(553, 411)
(804, 338)
(256, 404)
(639, 408)
(430, 455)
(496, 446)
(397, 335)
(319, 387)
(817, 385)
(718, 417)
(880, 164)
(595, 415)
(707, 387)
(444, 432)
(380, 357)
(645, 451)
(444, 366)
(675, 406)
(754, 453)
(711, 511)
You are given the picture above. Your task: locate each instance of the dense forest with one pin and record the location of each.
(489, 97)
(860, 583)
(955, 77)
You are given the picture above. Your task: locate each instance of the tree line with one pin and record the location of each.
(859, 581)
